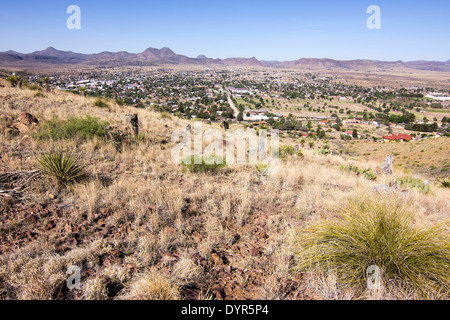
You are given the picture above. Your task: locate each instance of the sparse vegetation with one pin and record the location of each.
(199, 164)
(366, 173)
(75, 127)
(417, 183)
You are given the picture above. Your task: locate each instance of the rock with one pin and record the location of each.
(23, 128)
(217, 259)
(27, 118)
(103, 211)
(255, 252)
(218, 295)
(12, 132)
(197, 236)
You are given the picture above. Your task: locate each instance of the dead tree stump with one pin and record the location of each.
(134, 122)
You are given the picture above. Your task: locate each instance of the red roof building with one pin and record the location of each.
(401, 136)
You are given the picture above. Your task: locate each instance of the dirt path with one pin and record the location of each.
(230, 101)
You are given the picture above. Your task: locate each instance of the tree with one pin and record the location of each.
(14, 80)
(445, 120)
(47, 83)
(240, 116)
(355, 134)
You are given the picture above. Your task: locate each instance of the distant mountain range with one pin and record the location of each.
(164, 56)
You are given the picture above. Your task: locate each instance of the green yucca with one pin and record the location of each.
(262, 168)
(64, 167)
(377, 231)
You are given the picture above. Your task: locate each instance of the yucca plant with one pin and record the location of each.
(378, 232)
(64, 167)
(262, 169)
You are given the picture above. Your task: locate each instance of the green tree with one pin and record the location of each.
(14, 80)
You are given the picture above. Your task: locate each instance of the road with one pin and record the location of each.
(232, 105)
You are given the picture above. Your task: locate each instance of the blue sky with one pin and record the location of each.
(269, 30)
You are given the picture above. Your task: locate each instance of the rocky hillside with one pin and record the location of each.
(140, 227)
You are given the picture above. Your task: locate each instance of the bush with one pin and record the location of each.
(99, 102)
(373, 231)
(416, 183)
(445, 183)
(84, 128)
(286, 150)
(366, 173)
(63, 167)
(199, 164)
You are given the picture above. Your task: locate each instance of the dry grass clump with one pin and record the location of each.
(151, 285)
(381, 232)
(186, 270)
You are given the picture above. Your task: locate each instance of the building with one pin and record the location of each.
(351, 121)
(395, 137)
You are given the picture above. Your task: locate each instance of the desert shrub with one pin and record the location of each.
(286, 150)
(445, 183)
(165, 115)
(199, 164)
(414, 183)
(322, 151)
(366, 173)
(99, 102)
(64, 167)
(370, 231)
(39, 94)
(13, 80)
(84, 128)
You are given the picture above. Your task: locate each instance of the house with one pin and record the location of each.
(400, 137)
(350, 133)
(351, 121)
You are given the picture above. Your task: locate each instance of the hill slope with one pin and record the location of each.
(140, 227)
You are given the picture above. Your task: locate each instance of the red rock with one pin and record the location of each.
(218, 295)
(217, 260)
(255, 252)
(103, 211)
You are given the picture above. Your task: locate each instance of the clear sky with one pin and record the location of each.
(268, 30)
